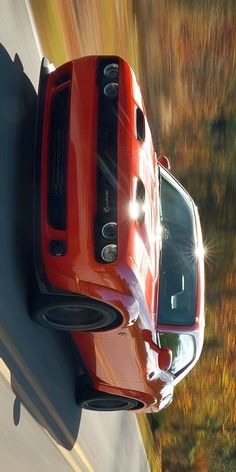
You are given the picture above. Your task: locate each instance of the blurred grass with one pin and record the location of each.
(72, 28)
(50, 29)
(152, 443)
(189, 56)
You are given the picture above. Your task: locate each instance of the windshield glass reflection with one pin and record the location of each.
(177, 292)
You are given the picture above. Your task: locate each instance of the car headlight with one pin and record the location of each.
(111, 90)
(109, 230)
(109, 253)
(111, 71)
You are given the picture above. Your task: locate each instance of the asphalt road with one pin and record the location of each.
(41, 427)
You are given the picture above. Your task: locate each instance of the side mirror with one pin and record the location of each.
(147, 335)
(164, 354)
(165, 358)
(164, 161)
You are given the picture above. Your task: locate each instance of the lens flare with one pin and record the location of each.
(211, 251)
(134, 210)
(200, 251)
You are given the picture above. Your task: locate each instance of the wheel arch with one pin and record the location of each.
(145, 399)
(126, 304)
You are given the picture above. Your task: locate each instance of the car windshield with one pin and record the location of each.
(183, 349)
(177, 289)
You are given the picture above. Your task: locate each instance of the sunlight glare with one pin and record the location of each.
(200, 251)
(134, 210)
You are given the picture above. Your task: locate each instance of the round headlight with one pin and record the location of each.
(111, 90)
(109, 230)
(111, 71)
(109, 253)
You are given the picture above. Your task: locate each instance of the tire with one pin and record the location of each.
(99, 401)
(68, 313)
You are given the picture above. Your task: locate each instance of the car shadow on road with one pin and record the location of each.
(41, 362)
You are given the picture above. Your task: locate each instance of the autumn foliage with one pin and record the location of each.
(189, 77)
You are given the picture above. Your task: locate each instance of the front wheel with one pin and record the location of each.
(99, 401)
(70, 313)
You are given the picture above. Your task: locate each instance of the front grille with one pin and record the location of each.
(57, 160)
(106, 159)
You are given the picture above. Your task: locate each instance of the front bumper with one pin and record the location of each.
(73, 190)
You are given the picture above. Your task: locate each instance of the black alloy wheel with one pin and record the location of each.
(69, 313)
(100, 401)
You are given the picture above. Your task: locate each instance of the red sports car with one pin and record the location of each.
(118, 242)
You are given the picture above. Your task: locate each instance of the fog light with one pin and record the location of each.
(111, 90)
(58, 247)
(109, 253)
(111, 71)
(109, 231)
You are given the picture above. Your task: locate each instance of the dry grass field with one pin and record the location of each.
(74, 28)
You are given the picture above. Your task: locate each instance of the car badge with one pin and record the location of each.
(107, 207)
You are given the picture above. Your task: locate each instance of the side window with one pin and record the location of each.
(140, 125)
(183, 349)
